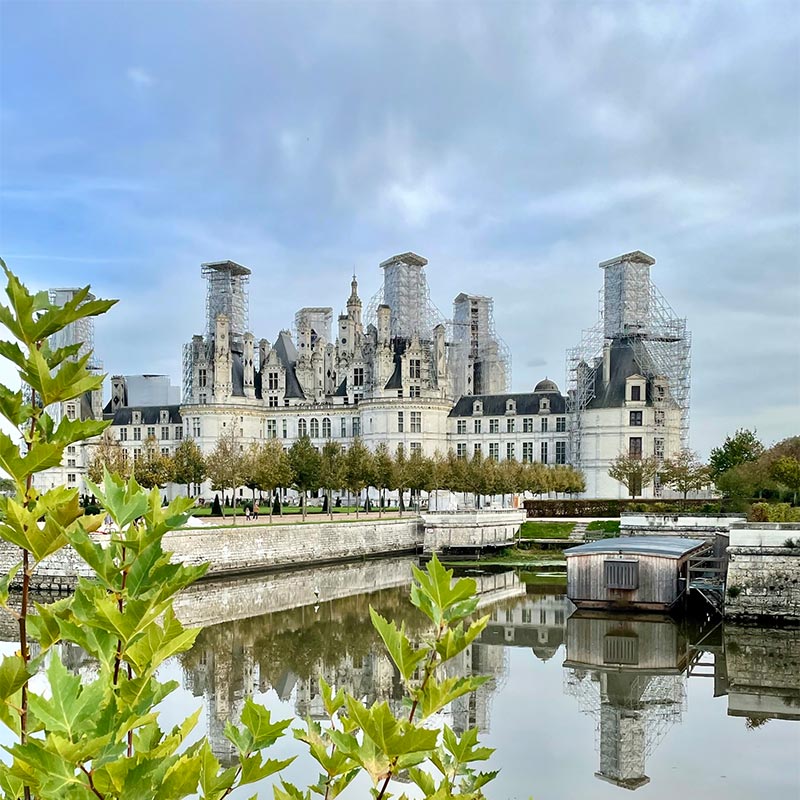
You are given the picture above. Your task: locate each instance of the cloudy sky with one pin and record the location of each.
(515, 145)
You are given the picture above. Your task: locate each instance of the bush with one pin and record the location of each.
(773, 512)
(609, 508)
(734, 591)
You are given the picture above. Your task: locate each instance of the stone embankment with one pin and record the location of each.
(250, 548)
(763, 580)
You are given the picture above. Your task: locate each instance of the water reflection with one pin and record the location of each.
(629, 674)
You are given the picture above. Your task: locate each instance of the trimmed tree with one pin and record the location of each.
(358, 469)
(273, 470)
(332, 470)
(305, 462)
(684, 473)
(188, 465)
(633, 473)
(383, 472)
(108, 454)
(786, 470)
(152, 468)
(225, 466)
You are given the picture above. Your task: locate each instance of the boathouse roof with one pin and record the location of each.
(662, 546)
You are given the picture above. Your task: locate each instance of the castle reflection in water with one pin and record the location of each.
(629, 673)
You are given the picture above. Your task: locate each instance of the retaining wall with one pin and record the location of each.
(763, 573)
(248, 548)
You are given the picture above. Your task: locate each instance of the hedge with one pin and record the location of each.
(613, 508)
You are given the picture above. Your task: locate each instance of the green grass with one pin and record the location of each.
(205, 511)
(512, 557)
(543, 578)
(604, 525)
(546, 530)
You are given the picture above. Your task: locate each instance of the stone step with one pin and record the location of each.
(578, 533)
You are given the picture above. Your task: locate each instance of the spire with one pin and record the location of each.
(354, 299)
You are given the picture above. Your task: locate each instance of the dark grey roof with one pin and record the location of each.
(151, 415)
(237, 375)
(396, 381)
(623, 364)
(494, 405)
(546, 386)
(664, 546)
(287, 354)
(342, 390)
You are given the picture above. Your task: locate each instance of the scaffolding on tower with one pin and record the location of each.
(405, 290)
(631, 308)
(227, 292)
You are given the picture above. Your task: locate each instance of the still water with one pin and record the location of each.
(578, 706)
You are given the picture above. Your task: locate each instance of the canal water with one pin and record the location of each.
(578, 706)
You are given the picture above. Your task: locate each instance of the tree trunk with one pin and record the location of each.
(358, 503)
(303, 505)
(380, 504)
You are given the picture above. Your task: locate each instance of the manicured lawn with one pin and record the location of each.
(604, 525)
(511, 557)
(546, 530)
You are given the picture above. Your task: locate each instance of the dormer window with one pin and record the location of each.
(164, 416)
(544, 405)
(477, 407)
(511, 406)
(636, 393)
(136, 418)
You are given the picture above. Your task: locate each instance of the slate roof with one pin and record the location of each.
(663, 546)
(151, 415)
(494, 405)
(287, 353)
(623, 365)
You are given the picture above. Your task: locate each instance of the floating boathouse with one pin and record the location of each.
(649, 573)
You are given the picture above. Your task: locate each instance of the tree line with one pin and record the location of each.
(266, 467)
(741, 468)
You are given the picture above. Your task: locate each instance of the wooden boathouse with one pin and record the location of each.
(648, 573)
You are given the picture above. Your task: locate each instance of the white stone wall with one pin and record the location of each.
(763, 573)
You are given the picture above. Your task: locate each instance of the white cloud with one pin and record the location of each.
(140, 77)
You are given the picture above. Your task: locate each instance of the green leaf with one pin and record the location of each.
(254, 769)
(393, 737)
(13, 674)
(258, 722)
(5, 582)
(332, 702)
(287, 791)
(405, 657)
(454, 640)
(437, 695)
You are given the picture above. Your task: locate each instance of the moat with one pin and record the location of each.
(578, 705)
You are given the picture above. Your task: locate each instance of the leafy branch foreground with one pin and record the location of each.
(81, 739)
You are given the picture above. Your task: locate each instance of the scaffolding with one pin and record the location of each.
(629, 724)
(318, 320)
(631, 308)
(480, 360)
(227, 293)
(79, 332)
(405, 290)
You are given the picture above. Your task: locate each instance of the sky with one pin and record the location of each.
(514, 144)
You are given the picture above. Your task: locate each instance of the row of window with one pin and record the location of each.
(635, 449)
(151, 433)
(511, 425)
(511, 451)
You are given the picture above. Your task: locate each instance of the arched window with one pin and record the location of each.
(314, 429)
(326, 428)
(301, 428)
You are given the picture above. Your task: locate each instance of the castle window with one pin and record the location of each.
(343, 428)
(284, 429)
(413, 391)
(544, 453)
(510, 425)
(358, 376)
(326, 428)
(636, 393)
(272, 401)
(195, 426)
(136, 417)
(272, 381)
(494, 426)
(561, 452)
(511, 407)
(314, 429)
(415, 447)
(356, 426)
(123, 434)
(400, 422)
(659, 417)
(165, 451)
(179, 432)
(272, 429)
(477, 407)
(461, 450)
(636, 418)
(416, 422)
(302, 427)
(477, 426)
(561, 424)
(544, 424)
(202, 378)
(71, 411)
(164, 432)
(494, 450)
(461, 427)
(137, 434)
(151, 431)
(163, 416)
(476, 448)
(71, 478)
(527, 452)
(510, 454)
(544, 404)
(414, 368)
(635, 447)
(527, 425)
